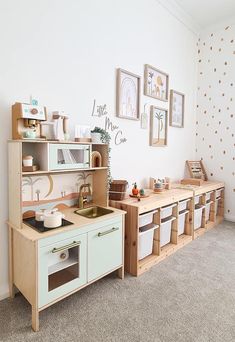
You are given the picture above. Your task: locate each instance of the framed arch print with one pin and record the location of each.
(156, 83)
(158, 126)
(177, 100)
(128, 95)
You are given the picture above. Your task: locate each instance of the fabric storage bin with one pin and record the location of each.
(146, 218)
(207, 210)
(183, 205)
(198, 217)
(165, 231)
(167, 211)
(146, 240)
(117, 190)
(208, 196)
(197, 199)
(181, 222)
(218, 193)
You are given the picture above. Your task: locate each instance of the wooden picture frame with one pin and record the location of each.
(177, 109)
(158, 123)
(156, 83)
(128, 95)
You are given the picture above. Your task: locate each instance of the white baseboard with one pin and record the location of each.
(229, 217)
(4, 295)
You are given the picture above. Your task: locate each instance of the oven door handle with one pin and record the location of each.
(62, 248)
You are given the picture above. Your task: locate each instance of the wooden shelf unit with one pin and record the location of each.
(134, 208)
(16, 150)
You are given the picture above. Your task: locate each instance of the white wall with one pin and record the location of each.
(216, 108)
(65, 53)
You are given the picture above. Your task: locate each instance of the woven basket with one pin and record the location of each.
(117, 190)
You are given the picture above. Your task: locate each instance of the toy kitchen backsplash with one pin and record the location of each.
(50, 191)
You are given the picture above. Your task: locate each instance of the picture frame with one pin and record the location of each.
(156, 83)
(158, 126)
(177, 107)
(128, 95)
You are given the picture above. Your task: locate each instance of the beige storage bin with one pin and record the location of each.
(183, 205)
(218, 193)
(198, 217)
(208, 196)
(165, 231)
(146, 240)
(207, 210)
(146, 218)
(167, 211)
(181, 222)
(197, 199)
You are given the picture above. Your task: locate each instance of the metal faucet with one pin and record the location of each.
(82, 199)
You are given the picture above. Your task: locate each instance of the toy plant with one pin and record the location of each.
(135, 190)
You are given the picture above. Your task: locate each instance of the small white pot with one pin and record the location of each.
(39, 215)
(28, 161)
(96, 138)
(52, 218)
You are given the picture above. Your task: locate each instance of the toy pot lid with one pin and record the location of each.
(53, 213)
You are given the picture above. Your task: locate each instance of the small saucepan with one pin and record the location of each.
(52, 218)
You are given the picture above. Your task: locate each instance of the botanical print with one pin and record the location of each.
(144, 118)
(48, 191)
(158, 127)
(128, 95)
(176, 109)
(155, 83)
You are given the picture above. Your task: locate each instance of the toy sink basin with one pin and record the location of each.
(93, 212)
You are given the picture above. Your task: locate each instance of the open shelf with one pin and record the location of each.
(62, 265)
(41, 172)
(62, 277)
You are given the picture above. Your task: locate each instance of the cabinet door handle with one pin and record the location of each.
(108, 232)
(70, 245)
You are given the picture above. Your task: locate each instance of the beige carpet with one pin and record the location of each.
(189, 297)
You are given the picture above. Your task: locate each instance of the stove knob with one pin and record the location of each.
(34, 111)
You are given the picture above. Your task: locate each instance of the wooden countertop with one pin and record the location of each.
(78, 222)
(156, 200)
(198, 190)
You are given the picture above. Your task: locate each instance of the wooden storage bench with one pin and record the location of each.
(172, 202)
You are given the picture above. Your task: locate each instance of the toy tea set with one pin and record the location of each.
(160, 185)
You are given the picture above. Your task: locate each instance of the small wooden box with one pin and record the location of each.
(192, 181)
(30, 168)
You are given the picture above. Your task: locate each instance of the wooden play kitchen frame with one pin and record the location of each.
(156, 202)
(87, 241)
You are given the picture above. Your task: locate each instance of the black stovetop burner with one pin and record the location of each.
(39, 226)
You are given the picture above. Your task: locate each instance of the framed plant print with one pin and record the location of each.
(128, 95)
(177, 109)
(156, 83)
(158, 126)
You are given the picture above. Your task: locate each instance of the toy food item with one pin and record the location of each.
(135, 190)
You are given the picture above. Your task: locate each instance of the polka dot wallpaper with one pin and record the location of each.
(215, 125)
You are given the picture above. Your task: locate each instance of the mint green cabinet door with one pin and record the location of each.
(104, 250)
(62, 268)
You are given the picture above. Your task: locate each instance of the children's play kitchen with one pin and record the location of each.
(63, 235)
